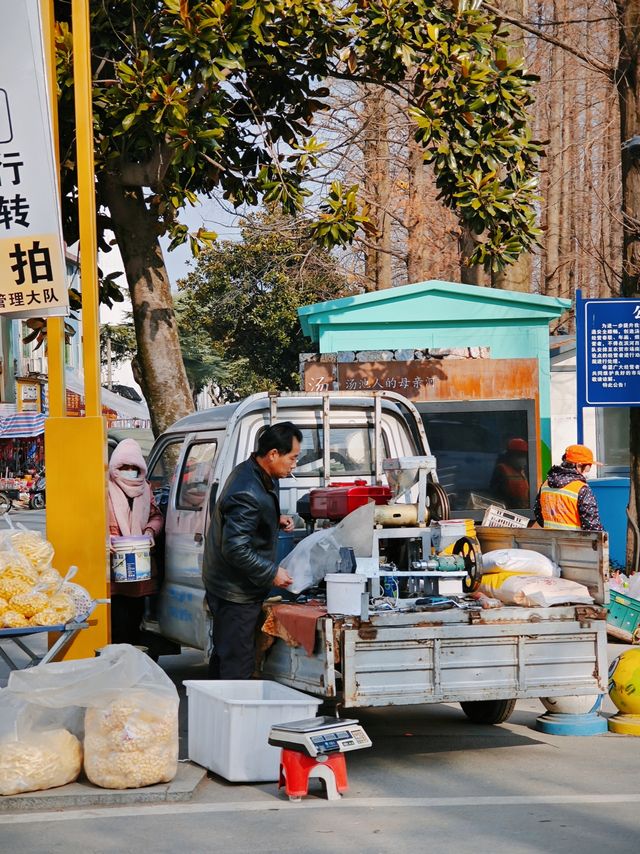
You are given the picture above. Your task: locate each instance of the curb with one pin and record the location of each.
(85, 794)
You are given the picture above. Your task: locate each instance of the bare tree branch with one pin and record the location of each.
(605, 69)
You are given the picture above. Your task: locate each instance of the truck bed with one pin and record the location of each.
(400, 658)
(405, 659)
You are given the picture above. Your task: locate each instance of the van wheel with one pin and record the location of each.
(488, 711)
(5, 503)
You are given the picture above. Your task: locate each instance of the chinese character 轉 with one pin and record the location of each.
(14, 210)
(37, 259)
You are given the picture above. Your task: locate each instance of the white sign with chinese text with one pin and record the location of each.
(32, 266)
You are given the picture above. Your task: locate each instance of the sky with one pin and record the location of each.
(212, 216)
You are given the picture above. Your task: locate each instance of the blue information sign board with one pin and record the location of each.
(608, 352)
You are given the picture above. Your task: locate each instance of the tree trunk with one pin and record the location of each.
(378, 185)
(517, 277)
(161, 369)
(568, 201)
(470, 275)
(628, 81)
(554, 180)
(418, 258)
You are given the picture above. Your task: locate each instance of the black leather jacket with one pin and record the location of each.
(240, 548)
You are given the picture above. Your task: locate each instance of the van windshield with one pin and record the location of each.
(352, 451)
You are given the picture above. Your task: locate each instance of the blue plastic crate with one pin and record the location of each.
(624, 615)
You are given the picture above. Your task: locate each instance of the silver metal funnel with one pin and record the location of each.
(403, 472)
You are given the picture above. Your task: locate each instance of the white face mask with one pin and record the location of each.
(129, 474)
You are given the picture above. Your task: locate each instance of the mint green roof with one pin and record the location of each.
(432, 303)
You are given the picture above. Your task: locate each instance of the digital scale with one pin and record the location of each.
(320, 736)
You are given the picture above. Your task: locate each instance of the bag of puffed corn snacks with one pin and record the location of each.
(38, 749)
(130, 713)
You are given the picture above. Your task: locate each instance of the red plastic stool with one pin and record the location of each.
(297, 768)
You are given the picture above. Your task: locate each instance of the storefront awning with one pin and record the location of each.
(22, 425)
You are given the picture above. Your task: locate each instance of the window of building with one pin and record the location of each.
(612, 430)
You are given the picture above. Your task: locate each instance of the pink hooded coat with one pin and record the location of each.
(136, 517)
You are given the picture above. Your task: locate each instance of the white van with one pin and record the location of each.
(484, 659)
(195, 456)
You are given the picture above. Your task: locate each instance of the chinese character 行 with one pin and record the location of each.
(12, 164)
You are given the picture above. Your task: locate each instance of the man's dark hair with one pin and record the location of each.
(278, 437)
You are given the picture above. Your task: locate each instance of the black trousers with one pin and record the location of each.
(126, 615)
(234, 638)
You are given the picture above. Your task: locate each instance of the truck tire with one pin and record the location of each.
(488, 711)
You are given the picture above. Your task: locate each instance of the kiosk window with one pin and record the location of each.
(194, 477)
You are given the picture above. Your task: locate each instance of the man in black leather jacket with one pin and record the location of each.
(239, 566)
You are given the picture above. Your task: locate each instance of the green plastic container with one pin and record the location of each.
(624, 616)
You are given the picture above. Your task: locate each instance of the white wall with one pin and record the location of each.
(564, 422)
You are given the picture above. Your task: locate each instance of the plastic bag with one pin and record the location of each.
(47, 759)
(131, 723)
(16, 574)
(29, 599)
(38, 749)
(519, 560)
(132, 742)
(31, 544)
(319, 553)
(534, 591)
(633, 586)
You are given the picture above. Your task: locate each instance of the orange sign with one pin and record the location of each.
(430, 379)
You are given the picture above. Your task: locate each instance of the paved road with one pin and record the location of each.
(33, 519)
(432, 782)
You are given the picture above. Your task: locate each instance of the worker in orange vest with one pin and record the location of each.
(510, 481)
(565, 501)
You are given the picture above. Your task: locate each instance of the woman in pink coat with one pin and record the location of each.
(132, 513)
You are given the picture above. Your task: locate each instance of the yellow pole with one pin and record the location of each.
(87, 206)
(55, 325)
(76, 447)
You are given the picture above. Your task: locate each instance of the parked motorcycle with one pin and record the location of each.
(37, 493)
(13, 494)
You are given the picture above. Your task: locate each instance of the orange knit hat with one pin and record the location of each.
(581, 455)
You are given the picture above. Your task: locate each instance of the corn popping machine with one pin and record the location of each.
(416, 550)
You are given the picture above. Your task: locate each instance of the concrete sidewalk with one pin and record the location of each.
(189, 665)
(84, 794)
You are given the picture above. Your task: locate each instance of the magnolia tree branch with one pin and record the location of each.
(602, 67)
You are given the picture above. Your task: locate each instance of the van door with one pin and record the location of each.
(180, 609)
